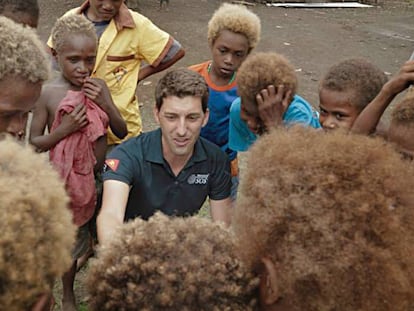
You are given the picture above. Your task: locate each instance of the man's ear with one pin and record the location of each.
(156, 112)
(269, 284)
(206, 116)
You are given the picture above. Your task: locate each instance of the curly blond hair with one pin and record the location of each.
(69, 25)
(260, 70)
(21, 53)
(237, 19)
(335, 214)
(170, 264)
(358, 75)
(37, 233)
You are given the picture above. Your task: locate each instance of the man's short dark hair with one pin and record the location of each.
(181, 82)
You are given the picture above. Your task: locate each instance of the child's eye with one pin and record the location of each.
(91, 60)
(73, 59)
(239, 54)
(339, 116)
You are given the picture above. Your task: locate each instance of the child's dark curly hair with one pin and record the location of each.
(37, 233)
(171, 264)
(260, 70)
(334, 212)
(359, 75)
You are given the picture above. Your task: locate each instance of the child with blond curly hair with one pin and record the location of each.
(36, 228)
(267, 86)
(233, 32)
(170, 264)
(331, 233)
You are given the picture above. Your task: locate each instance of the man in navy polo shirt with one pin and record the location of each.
(171, 169)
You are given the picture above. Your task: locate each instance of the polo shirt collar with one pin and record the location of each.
(123, 19)
(154, 152)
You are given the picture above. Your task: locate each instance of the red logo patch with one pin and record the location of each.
(112, 163)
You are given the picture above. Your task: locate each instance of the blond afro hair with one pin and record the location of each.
(334, 212)
(21, 53)
(69, 25)
(237, 19)
(36, 226)
(260, 70)
(171, 264)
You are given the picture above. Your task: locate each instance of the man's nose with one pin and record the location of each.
(181, 127)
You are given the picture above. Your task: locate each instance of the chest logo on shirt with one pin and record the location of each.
(198, 179)
(119, 73)
(112, 164)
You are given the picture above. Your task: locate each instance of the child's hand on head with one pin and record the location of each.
(272, 103)
(97, 91)
(72, 122)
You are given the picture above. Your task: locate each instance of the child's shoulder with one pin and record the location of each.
(53, 92)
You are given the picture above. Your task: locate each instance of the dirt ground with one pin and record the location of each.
(313, 39)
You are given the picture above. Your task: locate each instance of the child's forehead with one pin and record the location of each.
(72, 41)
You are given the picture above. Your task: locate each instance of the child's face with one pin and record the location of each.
(228, 51)
(17, 97)
(76, 58)
(250, 115)
(401, 137)
(103, 10)
(336, 109)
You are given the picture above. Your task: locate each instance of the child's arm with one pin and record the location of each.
(175, 53)
(272, 103)
(97, 91)
(368, 119)
(70, 123)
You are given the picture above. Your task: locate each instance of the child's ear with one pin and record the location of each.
(54, 53)
(269, 284)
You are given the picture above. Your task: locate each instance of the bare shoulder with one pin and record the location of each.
(52, 94)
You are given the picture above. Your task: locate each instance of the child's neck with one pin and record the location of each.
(66, 83)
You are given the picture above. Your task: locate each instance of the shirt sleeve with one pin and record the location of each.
(119, 165)
(220, 185)
(154, 42)
(240, 137)
(301, 112)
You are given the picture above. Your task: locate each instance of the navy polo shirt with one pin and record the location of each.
(139, 162)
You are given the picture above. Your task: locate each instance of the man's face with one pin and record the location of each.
(103, 10)
(17, 97)
(181, 120)
(76, 58)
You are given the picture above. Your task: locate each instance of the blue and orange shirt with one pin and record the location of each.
(219, 103)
